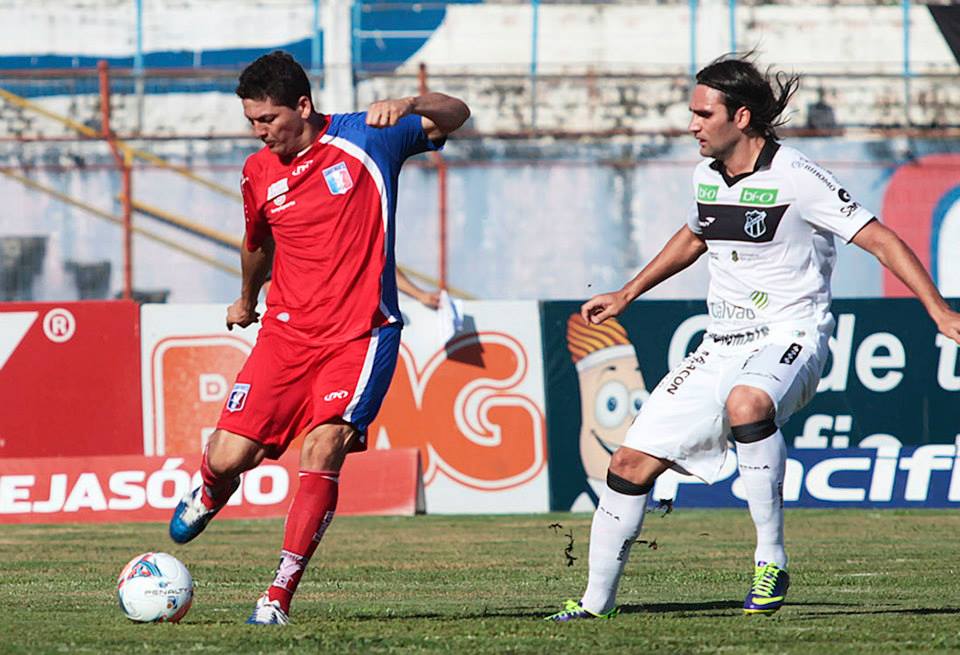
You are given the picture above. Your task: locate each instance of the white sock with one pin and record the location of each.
(762, 466)
(616, 525)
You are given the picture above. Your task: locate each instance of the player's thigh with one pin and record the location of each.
(352, 381)
(787, 372)
(683, 419)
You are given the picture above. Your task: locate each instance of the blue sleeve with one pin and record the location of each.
(404, 139)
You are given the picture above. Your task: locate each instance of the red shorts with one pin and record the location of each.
(287, 388)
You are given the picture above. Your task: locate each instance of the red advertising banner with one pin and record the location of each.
(138, 488)
(70, 379)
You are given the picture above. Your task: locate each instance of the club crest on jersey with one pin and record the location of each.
(338, 178)
(238, 397)
(755, 223)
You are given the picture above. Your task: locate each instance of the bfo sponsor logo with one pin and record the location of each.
(707, 192)
(336, 395)
(754, 223)
(758, 196)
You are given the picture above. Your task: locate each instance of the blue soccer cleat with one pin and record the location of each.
(191, 515)
(268, 612)
(572, 611)
(768, 591)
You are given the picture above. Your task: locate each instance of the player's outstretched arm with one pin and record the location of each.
(893, 253)
(429, 299)
(442, 114)
(254, 266)
(681, 250)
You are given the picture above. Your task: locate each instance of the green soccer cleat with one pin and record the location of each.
(768, 591)
(572, 610)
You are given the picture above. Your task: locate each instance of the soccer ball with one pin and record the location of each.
(155, 587)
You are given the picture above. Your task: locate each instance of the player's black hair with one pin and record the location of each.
(276, 76)
(743, 85)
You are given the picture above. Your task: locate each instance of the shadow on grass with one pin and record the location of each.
(859, 610)
(664, 608)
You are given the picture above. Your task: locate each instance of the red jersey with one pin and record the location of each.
(331, 211)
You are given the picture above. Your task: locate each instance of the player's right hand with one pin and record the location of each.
(241, 314)
(600, 308)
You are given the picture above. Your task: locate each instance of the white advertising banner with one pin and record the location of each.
(472, 403)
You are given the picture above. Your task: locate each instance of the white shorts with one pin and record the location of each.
(685, 420)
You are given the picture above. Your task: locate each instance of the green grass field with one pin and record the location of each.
(863, 582)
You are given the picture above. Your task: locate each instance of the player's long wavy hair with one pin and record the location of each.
(276, 76)
(743, 85)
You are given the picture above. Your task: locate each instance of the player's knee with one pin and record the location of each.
(755, 431)
(634, 467)
(228, 455)
(748, 405)
(325, 447)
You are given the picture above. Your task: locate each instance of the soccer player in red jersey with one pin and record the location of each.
(319, 202)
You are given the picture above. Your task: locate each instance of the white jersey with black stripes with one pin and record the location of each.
(769, 236)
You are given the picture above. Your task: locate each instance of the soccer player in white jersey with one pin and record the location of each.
(768, 218)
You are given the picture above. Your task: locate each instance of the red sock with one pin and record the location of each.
(308, 518)
(213, 491)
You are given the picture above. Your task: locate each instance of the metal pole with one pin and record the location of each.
(906, 62)
(355, 39)
(693, 40)
(315, 42)
(441, 165)
(534, 42)
(138, 56)
(733, 25)
(124, 162)
(138, 68)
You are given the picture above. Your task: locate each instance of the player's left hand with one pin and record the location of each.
(241, 314)
(949, 325)
(386, 113)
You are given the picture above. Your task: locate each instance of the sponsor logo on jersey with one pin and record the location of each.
(791, 353)
(707, 192)
(758, 196)
(302, 168)
(817, 172)
(706, 221)
(690, 365)
(740, 338)
(277, 188)
(844, 195)
(848, 210)
(336, 395)
(754, 223)
(724, 309)
(760, 299)
(238, 397)
(338, 178)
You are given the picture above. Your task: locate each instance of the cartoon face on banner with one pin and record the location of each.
(922, 203)
(612, 389)
(597, 388)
